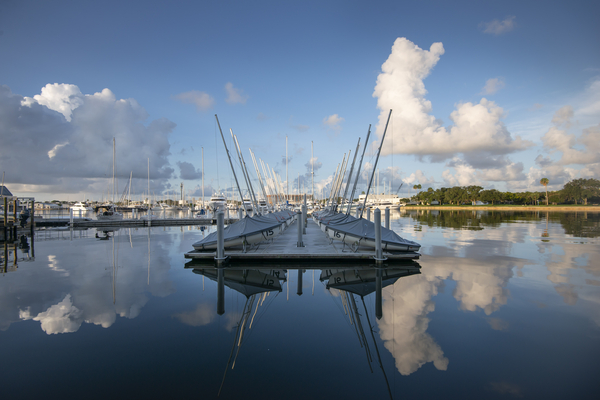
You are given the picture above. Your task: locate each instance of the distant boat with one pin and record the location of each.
(109, 213)
(247, 204)
(217, 202)
(79, 206)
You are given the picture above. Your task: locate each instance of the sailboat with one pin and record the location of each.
(108, 212)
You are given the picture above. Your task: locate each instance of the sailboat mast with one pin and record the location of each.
(287, 180)
(375, 166)
(203, 177)
(114, 162)
(312, 170)
(229, 157)
(350, 177)
(358, 168)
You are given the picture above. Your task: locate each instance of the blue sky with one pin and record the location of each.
(508, 93)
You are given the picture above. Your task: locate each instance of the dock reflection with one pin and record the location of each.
(350, 284)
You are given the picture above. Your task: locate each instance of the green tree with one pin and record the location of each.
(545, 181)
(473, 193)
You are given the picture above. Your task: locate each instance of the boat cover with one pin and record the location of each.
(363, 282)
(245, 227)
(247, 282)
(360, 227)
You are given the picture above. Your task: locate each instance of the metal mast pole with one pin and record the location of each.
(203, 177)
(229, 158)
(329, 201)
(376, 160)
(287, 180)
(245, 169)
(350, 176)
(359, 167)
(312, 165)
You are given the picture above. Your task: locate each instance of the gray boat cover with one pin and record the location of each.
(245, 227)
(363, 282)
(247, 282)
(364, 229)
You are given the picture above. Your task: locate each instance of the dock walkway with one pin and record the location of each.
(317, 247)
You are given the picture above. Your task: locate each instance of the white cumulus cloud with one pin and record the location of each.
(477, 127)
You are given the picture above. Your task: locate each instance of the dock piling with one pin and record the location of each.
(387, 218)
(220, 237)
(220, 291)
(304, 219)
(378, 250)
(368, 214)
(378, 294)
(299, 289)
(71, 217)
(299, 220)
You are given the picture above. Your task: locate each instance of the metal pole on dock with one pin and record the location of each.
(377, 222)
(304, 216)
(71, 217)
(32, 218)
(378, 294)
(220, 237)
(299, 291)
(387, 218)
(5, 211)
(220, 291)
(368, 214)
(299, 220)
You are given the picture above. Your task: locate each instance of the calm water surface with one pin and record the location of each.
(504, 305)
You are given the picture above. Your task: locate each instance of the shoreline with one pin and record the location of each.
(506, 208)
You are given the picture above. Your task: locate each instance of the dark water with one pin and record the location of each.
(504, 305)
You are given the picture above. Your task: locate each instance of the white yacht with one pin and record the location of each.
(79, 206)
(247, 204)
(217, 202)
(263, 207)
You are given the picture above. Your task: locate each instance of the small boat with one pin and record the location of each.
(108, 213)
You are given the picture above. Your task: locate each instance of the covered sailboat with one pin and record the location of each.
(356, 232)
(247, 231)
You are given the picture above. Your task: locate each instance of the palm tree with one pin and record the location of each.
(545, 181)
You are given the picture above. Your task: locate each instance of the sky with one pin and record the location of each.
(492, 93)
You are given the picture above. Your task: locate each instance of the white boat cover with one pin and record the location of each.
(363, 229)
(243, 228)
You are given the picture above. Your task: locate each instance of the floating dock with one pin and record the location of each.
(317, 248)
(94, 223)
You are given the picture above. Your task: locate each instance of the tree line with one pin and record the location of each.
(578, 191)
